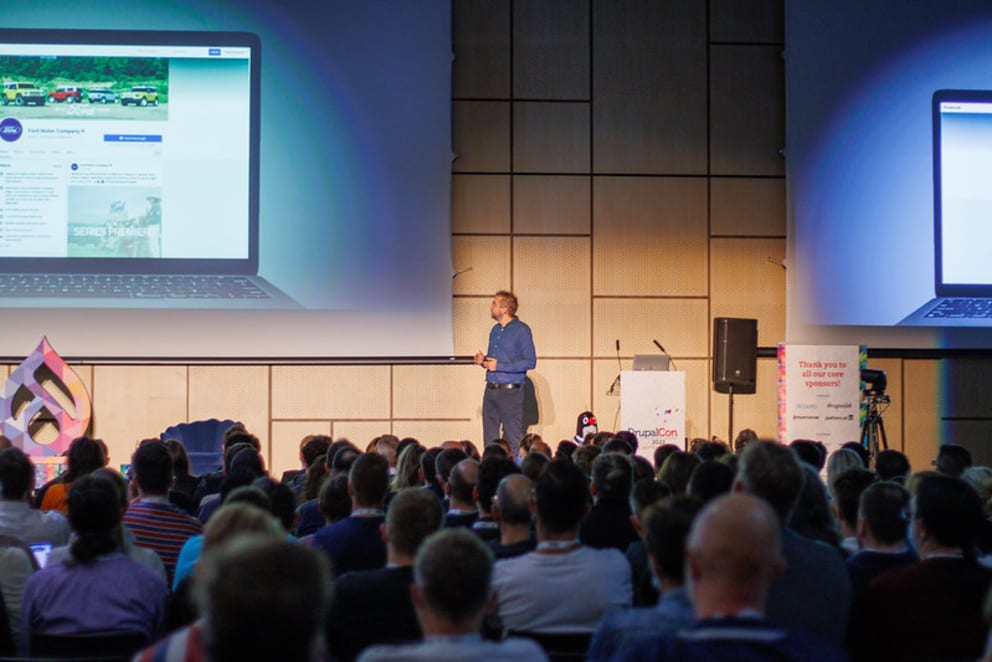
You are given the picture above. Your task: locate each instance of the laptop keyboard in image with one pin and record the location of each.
(130, 286)
(964, 308)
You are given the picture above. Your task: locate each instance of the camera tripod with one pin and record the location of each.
(873, 429)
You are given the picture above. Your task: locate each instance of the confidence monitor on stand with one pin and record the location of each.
(735, 359)
(662, 362)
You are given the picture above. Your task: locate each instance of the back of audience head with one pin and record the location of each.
(848, 488)
(744, 437)
(612, 476)
(248, 459)
(237, 519)
(601, 438)
(642, 468)
(677, 469)
(565, 450)
(264, 599)
(978, 477)
(408, 468)
(512, 503)
(840, 461)
(629, 437)
(404, 443)
(385, 446)
(711, 450)
(913, 480)
(666, 526)
(16, 474)
(584, 456)
(561, 493)
(947, 514)
(534, 464)
(452, 574)
(313, 446)
(85, 456)
(446, 461)
(94, 515)
(772, 472)
(645, 492)
(238, 435)
(884, 512)
(343, 459)
(861, 450)
(413, 515)
(493, 450)
(617, 445)
(152, 467)
(333, 502)
(470, 450)
(661, 454)
(492, 470)
(892, 465)
(952, 460)
(282, 502)
(462, 480)
(368, 480)
(809, 453)
(811, 515)
(428, 465)
(709, 480)
(180, 457)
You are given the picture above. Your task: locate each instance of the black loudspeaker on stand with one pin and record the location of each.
(735, 359)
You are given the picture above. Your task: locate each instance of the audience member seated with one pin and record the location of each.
(743, 438)
(85, 456)
(462, 510)
(952, 460)
(339, 459)
(676, 470)
(840, 461)
(584, 456)
(534, 464)
(100, 590)
(512, 512)
(809, 453)
(536, 591)
(564, 450)
(732, 559)
(892, 465)
(355, 543)
(385, 446)
(263, 599)
(408, 468)
(428, 468)
(245, 467)
(931, 609)
(491, 471)
(451, 589)
(609, 522)
(665, 532)
(848, 488)
(17, 517)
(156, 524)
(709, 480)
(646, 492)
(312, 447)
(661, 454)
(183, 483)
(811, 516)
(210, 483)
(444, 462)
(883, 523)
(618, 445)
(374, 606)
(710, 451)
(861, 450)
(814, 592)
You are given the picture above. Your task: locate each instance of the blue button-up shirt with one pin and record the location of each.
(513, 348)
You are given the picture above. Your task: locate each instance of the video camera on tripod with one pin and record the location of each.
(873, 397)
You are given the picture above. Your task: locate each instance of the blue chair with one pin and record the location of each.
(203, 441)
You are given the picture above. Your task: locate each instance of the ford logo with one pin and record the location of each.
(10, 129)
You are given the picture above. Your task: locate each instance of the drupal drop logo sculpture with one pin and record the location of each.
(27, 400)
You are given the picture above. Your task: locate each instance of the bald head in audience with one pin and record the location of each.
(733, 556)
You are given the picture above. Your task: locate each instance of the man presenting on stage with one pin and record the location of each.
(510, 355)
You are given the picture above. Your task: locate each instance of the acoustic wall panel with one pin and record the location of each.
(480, 136)
(741, 206)
(747, 279)
(892, 415)
(284, 453)
(482, 264)
(472, 324)
(239, 393)
(551, 137)
(649, 236)
(747, 21)
(437, 391)
(361, 432)
(481, 43)
(921, 415)
(562, 391)
(432, 433)
(480, 204)
(551, 277)
(758, 412)
(679, 325)
(552, 204)
(551, 49)
(747, 116)
(329, 392)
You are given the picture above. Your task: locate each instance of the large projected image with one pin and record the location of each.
(878, 253)
(266, 179)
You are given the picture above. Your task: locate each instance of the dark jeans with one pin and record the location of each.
(506, 406)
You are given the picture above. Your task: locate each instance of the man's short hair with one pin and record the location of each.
(453, 569)
(152, 466)
(462, 489)
(414, 514)
(335, 504)
(772, 471)
(235, 435)
(266, 599)
(885, 507)
(493, 449)
(533, 464)
(369, 478)
(677, 469)
(386, 446)
(950, 509)
(646, 492)
(666, 529)
(616, 445)
(514, 502)
(492, 470)
(809, 453)
(847, 490)
(446, 460)
(629, 437)
(952, 459)
(661, 454)
(562, 495)
(711, 450)
(584, 456)
(710, 479)
(428, 465)
(16, 473)
(612, 476)
(508, 299)
(892, 465)
(313, 446)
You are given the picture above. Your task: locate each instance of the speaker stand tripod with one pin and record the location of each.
(730, 417)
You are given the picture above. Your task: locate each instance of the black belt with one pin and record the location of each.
(506, 386)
